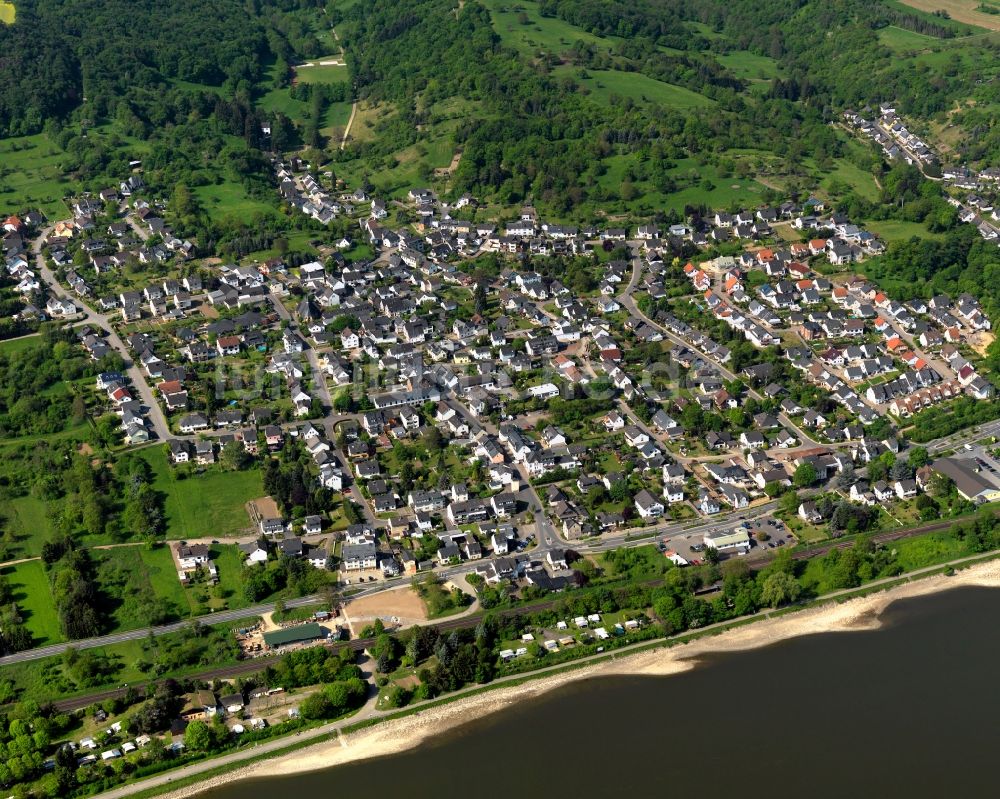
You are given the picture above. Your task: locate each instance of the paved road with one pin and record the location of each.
(548, 537)
(92, 317)
(369, 711)
(318, 378)
(626, 299)
(219, 617)
(668, 532)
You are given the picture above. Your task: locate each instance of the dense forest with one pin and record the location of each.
(532, 130)
(190, 83)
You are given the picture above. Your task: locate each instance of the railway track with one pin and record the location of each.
(359, 644)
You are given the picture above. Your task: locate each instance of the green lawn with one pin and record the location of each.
(206, 505)
(604, 83)
(30, 585)
(31, 175)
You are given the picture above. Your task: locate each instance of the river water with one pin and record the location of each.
(912, 710)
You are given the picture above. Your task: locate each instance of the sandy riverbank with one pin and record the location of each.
(396, 736)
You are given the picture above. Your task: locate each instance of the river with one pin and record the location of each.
(910, 710)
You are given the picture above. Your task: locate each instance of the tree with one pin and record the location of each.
(789, 501)
(233, 456)
(918, 457)
(779, 588)
(316, 706)
(480, 298)
(197, 737)
(805, 475)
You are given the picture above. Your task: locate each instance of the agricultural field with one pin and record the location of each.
(961, 11)
(206, 505)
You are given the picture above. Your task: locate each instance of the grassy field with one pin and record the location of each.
(206, 505)
(15, 345)
(326, 73)
(718, 192)
(230, 200)
(605, 83)
(8, 12)
(26, 519)
(47, 678)
(281, 101)
(148, 573)
(30, 585)
(228, 561)
(859, 180)
(541, 34)
(335, 120)
(901, 40)
(895, 230)
(31, 176)
(413, 165)
(749, 66)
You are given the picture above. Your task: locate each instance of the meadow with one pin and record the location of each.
(31, 176)
(203, 505)
(29, 584)
(890, 230)
(230, 200)
(538, 33)
(322, 73)
(605, 83)
(750, 66)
